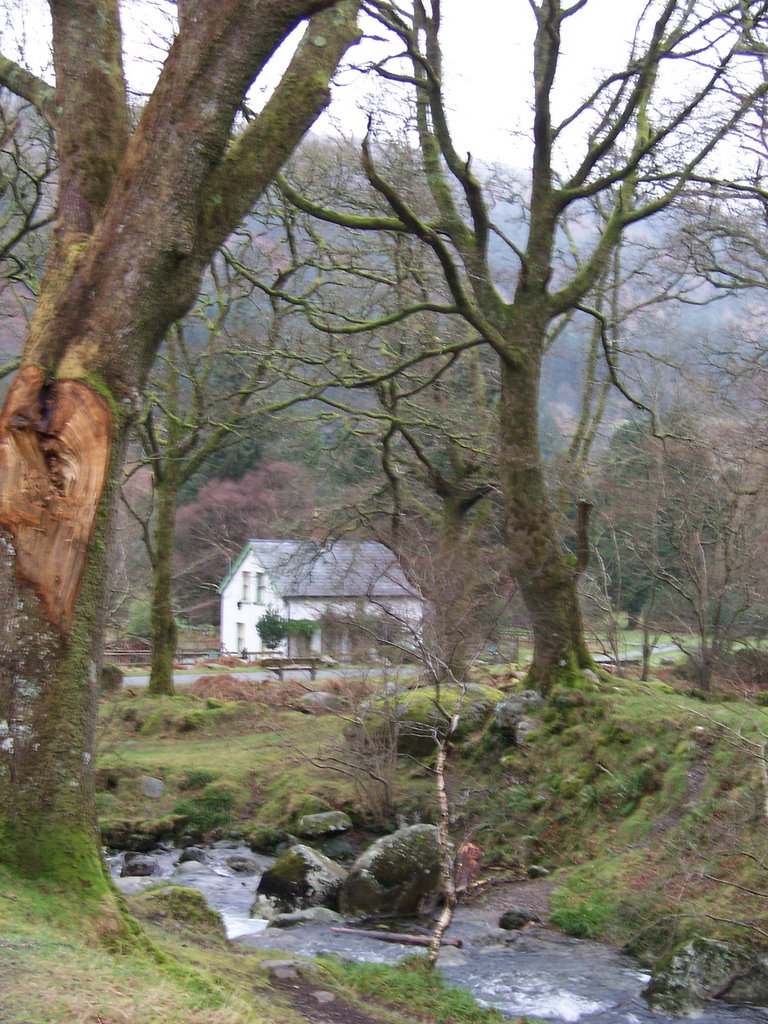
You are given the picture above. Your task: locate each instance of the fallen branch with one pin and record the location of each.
(406, 940)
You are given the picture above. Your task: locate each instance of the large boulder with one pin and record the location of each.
(511, 711)
(327, 823)
(111, 678)
(139, 865)
(398, 874)
(691, 974)
(300, 878)
(415, 718)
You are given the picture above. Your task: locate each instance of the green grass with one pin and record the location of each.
(55, 968)
(261, 755)
(415, 986)
(635, 792)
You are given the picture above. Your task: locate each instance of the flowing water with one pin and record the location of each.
(537, 972)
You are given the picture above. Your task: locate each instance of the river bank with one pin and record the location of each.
(534, 972)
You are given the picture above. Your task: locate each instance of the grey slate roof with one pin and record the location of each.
(338, 569)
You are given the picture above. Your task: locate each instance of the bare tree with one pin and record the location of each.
(686, 517)
(205, 393)
(626, 145)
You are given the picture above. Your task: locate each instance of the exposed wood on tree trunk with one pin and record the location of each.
(55, 443)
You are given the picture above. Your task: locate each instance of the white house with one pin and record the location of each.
(330, 584)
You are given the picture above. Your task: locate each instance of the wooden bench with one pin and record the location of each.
(279, 665)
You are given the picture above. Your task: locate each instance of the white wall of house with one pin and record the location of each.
(243, 602)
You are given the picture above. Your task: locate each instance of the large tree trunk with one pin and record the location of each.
(59, 449)
(137, 222)
(546, 580)
(162, 618)
(454, 600)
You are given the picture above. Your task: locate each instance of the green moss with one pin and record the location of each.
(265, 840)
(179, 907)
(196, 779)
(304, 803)
(209, 810)
(415, 717)
(100, 386)
(289, 869)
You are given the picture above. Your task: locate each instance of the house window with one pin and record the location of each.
(240, 636)
(246, 596)
(259, 588)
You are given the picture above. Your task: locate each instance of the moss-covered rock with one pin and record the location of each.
(415, 718)
(693, 972)
(267, 841)
(300, 878)
(300, 804)
(512, 710)
(181, 909)
(327, 823)
(111, 678)
(398, 874)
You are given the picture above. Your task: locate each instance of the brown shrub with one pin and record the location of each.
(223, 686)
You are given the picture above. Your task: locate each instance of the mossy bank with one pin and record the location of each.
(646, 805)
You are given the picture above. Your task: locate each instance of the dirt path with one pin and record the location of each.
(319, 1005)
(503, 894)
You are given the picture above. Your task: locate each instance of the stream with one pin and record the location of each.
(537, 972)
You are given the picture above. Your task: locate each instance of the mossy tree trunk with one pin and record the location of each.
(139, 217)
(162, 618)
(547, 581)
(60, 446)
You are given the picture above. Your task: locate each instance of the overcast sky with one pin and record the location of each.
(488, 47)
(488, 58)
